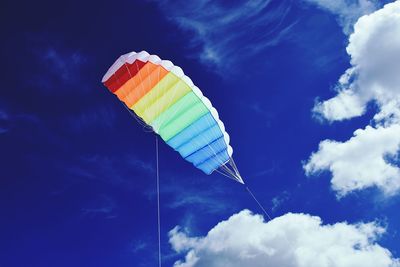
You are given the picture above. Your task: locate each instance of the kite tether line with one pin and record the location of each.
(259, 204)
(158, 205)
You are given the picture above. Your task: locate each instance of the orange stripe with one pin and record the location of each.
(126, 88)
(140, 84)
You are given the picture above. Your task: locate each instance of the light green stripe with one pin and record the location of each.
(180, 122)
(175, 110)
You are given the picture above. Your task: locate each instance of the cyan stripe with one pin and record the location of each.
(214, 163)
(207, 152)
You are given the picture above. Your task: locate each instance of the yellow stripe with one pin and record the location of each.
(162, 103)
(156, 92)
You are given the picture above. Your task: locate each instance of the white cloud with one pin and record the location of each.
(347, 11)
(227, 32)
(362, 161)
(346, 104)
(374, 48)
(292, 240)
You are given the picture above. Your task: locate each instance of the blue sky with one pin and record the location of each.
(78, 172)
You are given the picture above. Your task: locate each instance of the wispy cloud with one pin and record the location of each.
(119, 171)
(94, 117)
(267, 117)
(209, 200)
(59, 69)
(274, 167)
(188, 194)
(4, 122)
(203, 200)
(279, 200)
(10, 119)
(112, 169)
(138, 245)
(58, 79)
(63, 65)
(104, 206)
(226, 33)
(346, 11)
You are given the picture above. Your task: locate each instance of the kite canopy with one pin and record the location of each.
(165, 99)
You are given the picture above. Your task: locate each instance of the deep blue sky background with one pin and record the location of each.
(77, 173)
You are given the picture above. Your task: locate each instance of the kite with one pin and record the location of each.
(165, 100)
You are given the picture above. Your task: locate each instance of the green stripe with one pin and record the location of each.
(183, 120)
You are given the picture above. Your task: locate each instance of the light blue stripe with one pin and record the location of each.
(192, 130)
(197, 142)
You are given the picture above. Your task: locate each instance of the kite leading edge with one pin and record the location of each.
(164, 98)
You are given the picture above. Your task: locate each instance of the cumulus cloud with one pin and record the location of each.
(364, 160)
(225, 32)
(292, 240)
(347, 11)
(374, 48)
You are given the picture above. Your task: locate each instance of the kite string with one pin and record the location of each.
(158, 205)
(259, 204)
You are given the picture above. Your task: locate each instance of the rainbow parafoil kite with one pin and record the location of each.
(165, 99)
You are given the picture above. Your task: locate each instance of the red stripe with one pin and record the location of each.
(122, 75)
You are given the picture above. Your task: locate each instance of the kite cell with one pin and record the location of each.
(166, 101)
